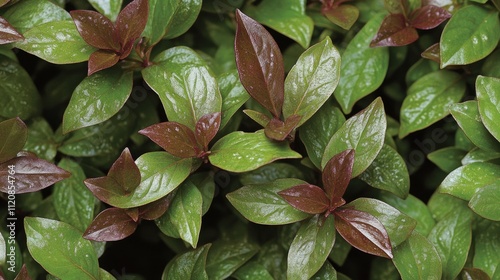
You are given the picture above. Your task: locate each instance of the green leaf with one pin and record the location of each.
(363, 68)
(57, 42)
(363, 132)
(262, 204)
(291, 20)
(340, 251)
(428, 100)
(73, 202)
(312, 80)
(447, 159)
(97, 98)
(441, 205)
(61, 249)
(184, 214)
(188, 265)
(206, 185)
(469, 119)
(330, 119)
(19, 95)
(14, 134)
(487, 247)
(399, 226)
(185, 84)
(416, 258)
(327, 272)
(388, 172)
(464, 181)
(233, 95)
(488, 96)
(226, 256)
(452, 239)
(310, 247)
(31, 13)
(161, 173)
(478, 155)
(241, 152)
(486, 202)
(471, 34)
(41, 140)
(252, 270)
(271, 172)
(109, 8)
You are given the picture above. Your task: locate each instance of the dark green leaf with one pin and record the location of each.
(394, 32)
(175, 138)
(109, 8)
(30, 13)
(8, 34)
(441, 205)
(487, 95)
(241, 152)
(252, 270)
(486, 202)
(97, 98)
(96, 29)
(487, 247)
(447, 159)
(189, 265)
(226, 256)
(57, 42)
(18, 93)
(416, 258)
(471, 34)
(311, 81)
(271, 172)
(310, 247)
(428, 100)
(73, 202)
(363, 68)
(41, 140)
(420, 69)
(260, 64)
(233, 94)
(306, 198)
(340, 251)
(363, 132)
(452, 239)
(262, 204)
(61, 249)
(112, 224)
(13, 136)
(381, 269)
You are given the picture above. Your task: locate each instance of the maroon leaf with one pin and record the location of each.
(100, 60)
(278, 130)
(338, 173)
(130, 23)
(473, 273)
(363, 231)
(428, 17)
(8, 33)
(394, 31)
(260, 63)
(13, 135)
(23, 274)
(133, 213)
(175, 138)
(307, 198)
(96, 29)
(125, 172)
(206, 129)
(432, 53)
(156, 209)
(111, 224)
(344, 15)
(29, 174)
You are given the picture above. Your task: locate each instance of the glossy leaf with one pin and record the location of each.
(262, 204)
(206, 129)
(428, 100)
(394, 31)
(252, 270)
(258, 117)
(363, 68)
(441, 205)
(8, 34)
(30, 13)
(363, 132)
(310, 247)
(226, 256)
(41, 139)
(241, 152)
(279, 130)
(70, 257)
(363, 231)
(97, 98)
(472, 272)
(398, 225)
(291, 21)
(488, 96)
(416, 258)
(57, 42)
(155, 209)
(19, 95)
(191, 90)
(327, 271)
(447, 159)
(96, 29)
(188, 265)
(108, 8)
(73, 202)
(260, 63)
(175, 138)
(388, 172)
(487, 247)
(271, 172)
(337, 174)
(452, 239)
(184, 214)
(233, 94)
(485, 202)
(471, 34)
(135, 12)
(112, 224)
(306, 198)
(343, 15)
(100, 60)
(478, 155)
(428, 17)
(31, 174)
(330, 119)
(312, 80)
(14, 134)
(464, 181)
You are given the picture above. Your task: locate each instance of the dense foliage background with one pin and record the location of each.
(232, 139)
